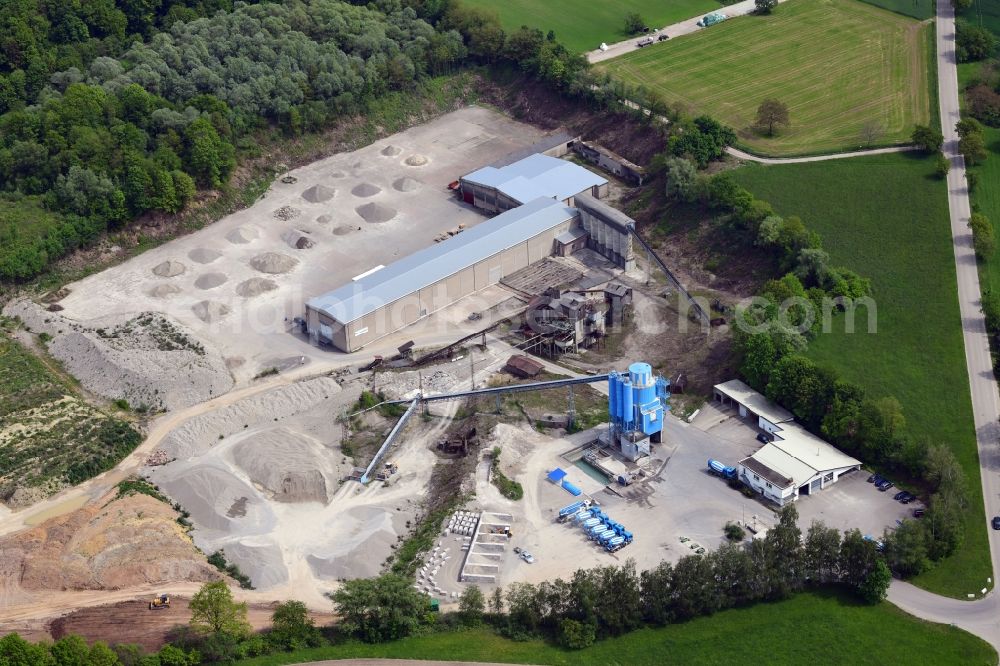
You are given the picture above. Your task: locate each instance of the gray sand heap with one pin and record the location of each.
(371, 529)
(416, 160)
(365, 190)
(210, 311)
(147, 358)
(242, 235)
(324, 219)
(203, 255)
(337, 174)
(318, 194)
(298, 240)
(375, 212)
(283, 463)
(164, 291)
(210, 280)
(211, 492)
(406, 184)
(169, 268)
(255, 287)
(260, 559)
(391, 151)
(273, 262)
(344, 229)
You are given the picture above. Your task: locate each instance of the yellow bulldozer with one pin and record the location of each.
(160, 602)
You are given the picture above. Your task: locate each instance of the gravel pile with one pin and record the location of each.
(161, 291)
(255, 287)
(168, 269)
(146, 359)
(203, 255)
(242, 235)
(406, 184)
(273, 263)
(286, 213)
(211, 280)
(198, 435)
(416, 160)
(318, 194)
(375, 212)
(210, 311)
(403, 384)
(284, 464)
(391, 151)
(365, 190)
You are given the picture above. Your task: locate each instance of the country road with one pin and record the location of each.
(676, 30)
(739, 154)
(981, 617)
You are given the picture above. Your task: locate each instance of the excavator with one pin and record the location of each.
(160, 602)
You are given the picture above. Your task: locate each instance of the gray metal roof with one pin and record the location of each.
(571, 235)
(537, 176)
(613, 216)
(433, 264)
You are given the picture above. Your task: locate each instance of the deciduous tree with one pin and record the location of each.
(772, 113)
(213, 610)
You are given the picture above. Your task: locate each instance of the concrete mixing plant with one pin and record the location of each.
(637, 402)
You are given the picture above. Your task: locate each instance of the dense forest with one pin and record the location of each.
(113, 109)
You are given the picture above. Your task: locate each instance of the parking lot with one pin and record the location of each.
(849, 503)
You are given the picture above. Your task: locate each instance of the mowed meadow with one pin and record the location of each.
(839, 65)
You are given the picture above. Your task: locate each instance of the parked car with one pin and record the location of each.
(517, 550)
(996, 522)
(908, 497)
(917, 513)
(645, 41)
(885, 485)
(763, 438)
(900, 495)
(876, 479)
(663, 37)
(527, 557)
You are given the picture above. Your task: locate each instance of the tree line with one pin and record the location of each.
(593, 604)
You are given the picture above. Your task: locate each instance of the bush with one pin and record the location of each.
(941, 166)
(634, 23)
(218, 560)
(734, 532)
(576, 635)
(930, 139)
(983, 238)
(508, 487)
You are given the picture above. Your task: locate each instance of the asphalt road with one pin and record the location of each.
(980, 617)
(675, 30)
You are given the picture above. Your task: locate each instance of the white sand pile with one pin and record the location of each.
(216, 498)
(164, 291)
(400, 384)
(255, 287)
(406, 184)
(297, 240)
(199, 434)
(273, 263)
(211, 280)
(416, 160)
(324, 219)
(344, 229)
(261, 559)
(203, 255)
(285, 464)
(365, 190)
(210, 311)
(363, 529)
(146, 359)
(243, 235)
(375, 212)
(391, 151)
(318, 194)
(169, 268)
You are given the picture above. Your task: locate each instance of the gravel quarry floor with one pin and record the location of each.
(238, 283)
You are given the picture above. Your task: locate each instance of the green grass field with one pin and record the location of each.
(837, 64)
(820, 628)
(887, 218)
(918, 9)
(582, 25)
(987, 199)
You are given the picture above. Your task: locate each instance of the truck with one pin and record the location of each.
(721, 469)
(645, 41)
(711, 19)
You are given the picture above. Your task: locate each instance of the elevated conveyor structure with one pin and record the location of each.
(695, 306)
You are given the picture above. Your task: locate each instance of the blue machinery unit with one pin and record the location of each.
(637, 402)
(599, 527)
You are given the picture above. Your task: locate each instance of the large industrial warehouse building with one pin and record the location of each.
(795, 462)
(415, 286)
(535, 195)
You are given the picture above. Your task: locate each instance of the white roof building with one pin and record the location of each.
(795, 462)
